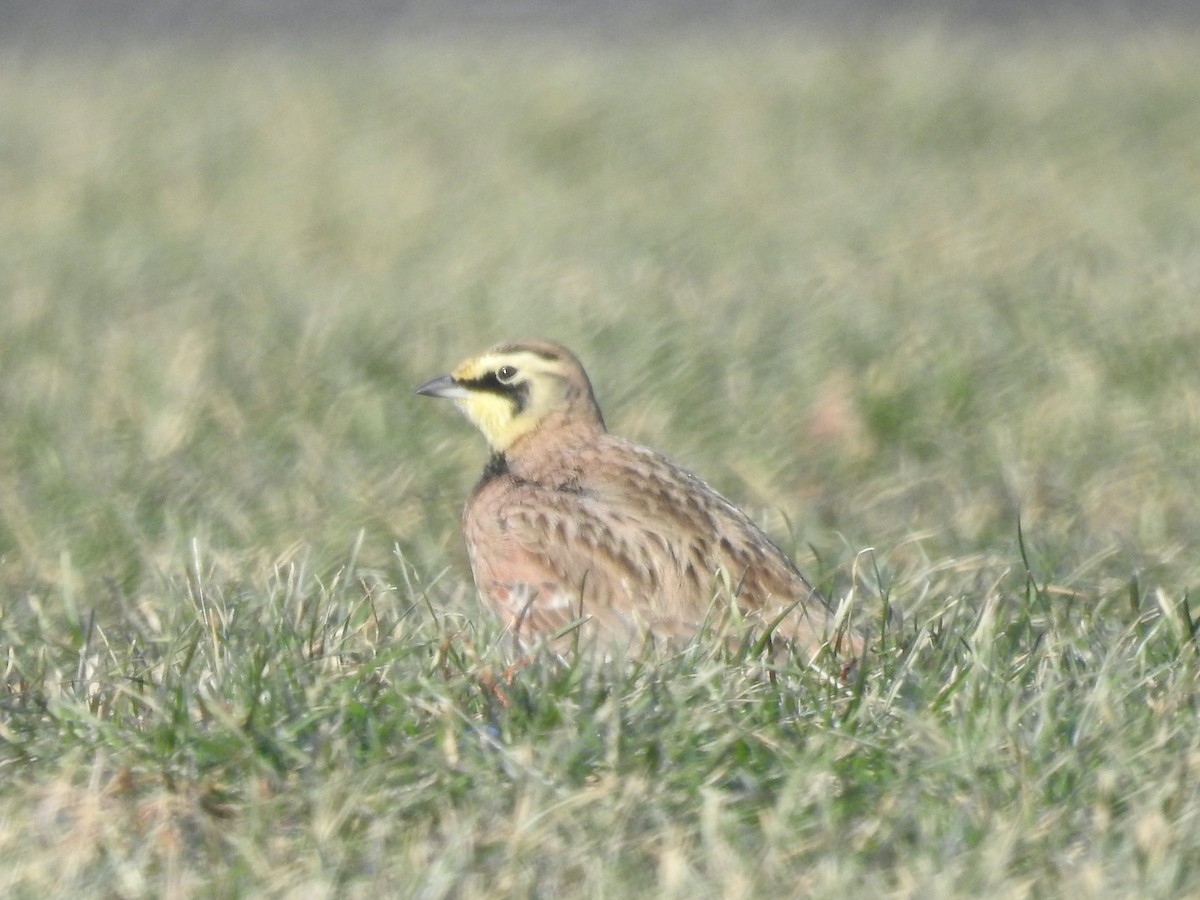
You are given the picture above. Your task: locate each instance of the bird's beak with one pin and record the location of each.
(445, 387)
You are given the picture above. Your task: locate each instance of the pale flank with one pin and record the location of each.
(570, 525)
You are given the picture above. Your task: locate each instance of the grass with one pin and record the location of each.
(926, 303)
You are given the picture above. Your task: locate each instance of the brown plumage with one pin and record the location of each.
(572, 525)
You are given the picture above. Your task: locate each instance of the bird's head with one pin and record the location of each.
(513, 389)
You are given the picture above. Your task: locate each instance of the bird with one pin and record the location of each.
(577, 536)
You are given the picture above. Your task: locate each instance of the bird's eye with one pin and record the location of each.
(506, 374)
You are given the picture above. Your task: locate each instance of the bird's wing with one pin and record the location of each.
(547, 558)
(644, 548)
(715, 549)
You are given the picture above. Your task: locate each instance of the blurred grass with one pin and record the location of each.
(897, 293)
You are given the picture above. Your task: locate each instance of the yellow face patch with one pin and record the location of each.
(493, 416)
(507, 394)
(511, 390)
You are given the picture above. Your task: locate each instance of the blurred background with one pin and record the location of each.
(891, 274)
(602, 18)
(918, 285)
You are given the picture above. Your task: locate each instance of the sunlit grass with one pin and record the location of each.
(926, 305)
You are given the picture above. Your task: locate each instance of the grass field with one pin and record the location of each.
(928, 304)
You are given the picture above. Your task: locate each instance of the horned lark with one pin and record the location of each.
(572, 525)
